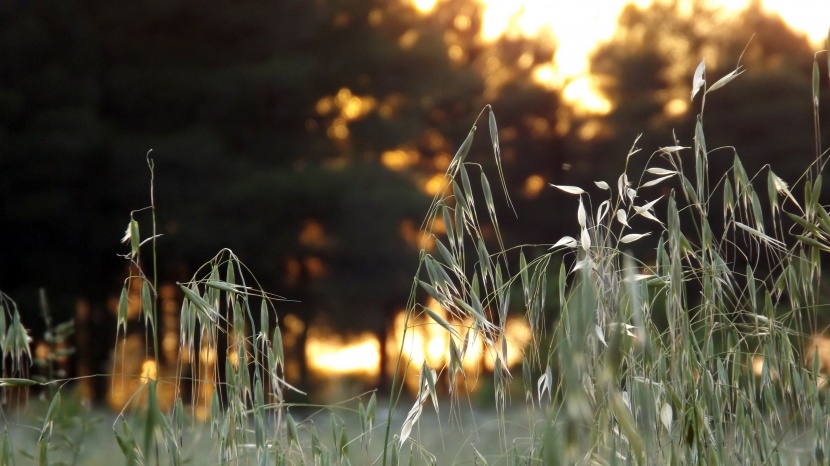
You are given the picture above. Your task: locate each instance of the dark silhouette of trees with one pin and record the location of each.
(303, 134)
(268, 123)
(646, 71)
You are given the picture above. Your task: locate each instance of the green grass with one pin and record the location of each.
(643, 360)
(448, 442)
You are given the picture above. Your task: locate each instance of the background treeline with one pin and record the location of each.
(269, 121)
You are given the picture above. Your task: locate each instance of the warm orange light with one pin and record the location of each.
(294, 326)
(534, 184)
(419, 238)
(386, 111)
(518, 336)
(435, 184)
(799, 15)
(42, 350)
(584, 96)
(578, 27)
(439, 227)
(525, 60)
(546, 74)
(538, 126)
(390, 104)
(462, 22)
(324, 105)
(589, 130)
(328, 353)
(676, 107)
(441, 161)
(292, 330)
(575, 29)
(351, 107)
(757, 365)
(338, 130)
(819, 347)
(375, 16)
(133, 299)
(207, 355)
(355, 108)
(315, 267)
(435, 339)
(149, 371)
(409, 233)
(129, 361)
(342, 96)
(131, 371)
(293, 271)
(423, 340)
(204, 385)
(345, 107)
(408, 39)
(312, 235)
(170, 305)
(434, 140)
(456, 54)
(170, 346)
(399, 159)
(424, 6)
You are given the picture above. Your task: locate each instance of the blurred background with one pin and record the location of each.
(309, 137)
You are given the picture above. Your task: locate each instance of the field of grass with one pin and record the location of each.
(694, 356)
(438, 439)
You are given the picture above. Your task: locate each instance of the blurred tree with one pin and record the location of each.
(302, 135)
(52, 135)
(646, 72)
(306, 136)
(765, 115)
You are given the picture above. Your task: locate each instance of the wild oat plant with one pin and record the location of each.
(691, 354)
(724, 380)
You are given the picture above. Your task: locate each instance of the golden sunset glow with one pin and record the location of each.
(343, 107)
(423, 6)
(757, 365)
(578, 27)
(435, 184)
(583, 91)
(149, 371)
(417, 238)
(399, 159)
(817, 346)
(131, 371)
(802, 16)
(426, 341)
(408, 39)
(534, 184)
(329, 353)
(676, 107)
(518, 336)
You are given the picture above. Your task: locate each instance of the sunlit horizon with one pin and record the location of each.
(580, 26)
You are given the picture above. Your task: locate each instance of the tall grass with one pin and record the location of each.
(691, 353)
(613, 384)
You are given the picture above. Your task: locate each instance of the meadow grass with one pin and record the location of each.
(692, 352)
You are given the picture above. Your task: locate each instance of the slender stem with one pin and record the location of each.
(394, 396)
(155, 258)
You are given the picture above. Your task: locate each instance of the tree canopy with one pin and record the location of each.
(306, 135)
